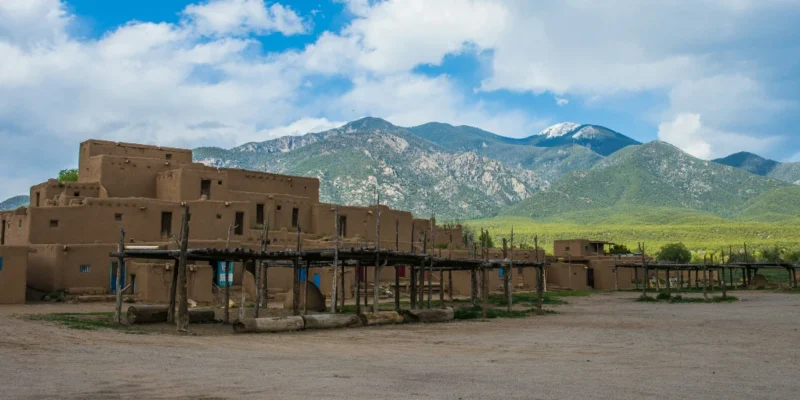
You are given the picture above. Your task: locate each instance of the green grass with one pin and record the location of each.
(525, 298)
(84, 321)
(476, 313)
(664, 297)
(698, 232)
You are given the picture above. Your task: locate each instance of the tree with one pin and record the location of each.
(675, 252)
(68, 175)
(468, 234)
(486, 240)
(771, 255)
(619, 249)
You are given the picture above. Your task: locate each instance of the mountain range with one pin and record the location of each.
(14, 202)
(565, 172)
(568, 172)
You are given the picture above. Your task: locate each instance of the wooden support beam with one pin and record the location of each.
(335, 280)
(182, 292)
(120, 265)
(397, 268)
(358, 287)
(173, 287)
(227, 307)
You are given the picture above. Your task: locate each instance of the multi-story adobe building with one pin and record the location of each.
(70, 227)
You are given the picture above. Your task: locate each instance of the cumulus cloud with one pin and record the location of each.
(240, 17)
(688, 132)
(561, 101)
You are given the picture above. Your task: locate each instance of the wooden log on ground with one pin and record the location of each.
(381, 318)
(432, 315)
(330, 321)
(149, 314)
(263, 325)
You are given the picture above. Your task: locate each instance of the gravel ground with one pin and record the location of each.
(603, 346)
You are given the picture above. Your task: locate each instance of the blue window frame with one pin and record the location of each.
(1, 264)
(86, 269)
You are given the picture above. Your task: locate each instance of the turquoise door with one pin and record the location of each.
(113, 275)
(220, 278)
(317, 280)
(303, 274)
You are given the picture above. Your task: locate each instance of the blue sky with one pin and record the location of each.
(710, 76)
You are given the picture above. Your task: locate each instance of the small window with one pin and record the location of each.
(1, 264)
(259, 213)
(586, 248)
(169, 156)
(278, 208)
(205, 188)
(166, 224)
(117, 217)
(219, 182)
(53, 223)
(19, 223)
(219, 216)
(343, 226)
(86, 269)
(76, 194)
(38, 196)
(239, 228)
(295, 217)
(566, 248)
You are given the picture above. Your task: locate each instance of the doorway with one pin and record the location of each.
(590, 278)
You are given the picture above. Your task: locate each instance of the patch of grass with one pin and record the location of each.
(663, 296)
(525, 298)
(84, 321)
(476, 313)
(646, 299)
(715, 299)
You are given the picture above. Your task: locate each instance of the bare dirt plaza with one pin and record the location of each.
(601, 346)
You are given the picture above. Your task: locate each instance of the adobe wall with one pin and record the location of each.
(153, 280)
(13, 273)
(605, 275)
(559, 274)
(573, 247)
(361, 225)
(17, 227)
(54, 193)
(91, 148)
(55, 266)
(125, 177)
(182, 184)
(262, 182)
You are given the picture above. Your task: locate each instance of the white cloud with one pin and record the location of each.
(241, 17)
(561, 101)
(297, 128)
(687, 132)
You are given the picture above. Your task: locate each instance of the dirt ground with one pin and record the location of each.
(602, 346)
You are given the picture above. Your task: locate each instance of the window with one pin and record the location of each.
(86, 269)
(53, 223)
(169, 156)
(239, 228)
(566, 248)
(1, 264)
(37, 198)
(3, 233)
(117, 217)
(76, 194)
(219, 216)
(259, 213)
(219, 182)
(19, 223)
(278, 208)
(295, 217)
(166, 224)
(342, 225)
(205, 188)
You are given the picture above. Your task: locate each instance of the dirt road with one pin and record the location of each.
(603, 346)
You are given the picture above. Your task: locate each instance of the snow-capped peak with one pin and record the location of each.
(559, 129)
(587, 132)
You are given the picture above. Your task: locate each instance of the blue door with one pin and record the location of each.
(317, 280)
(303, 274)
(222, 269)
(113, 275)
(501, 272)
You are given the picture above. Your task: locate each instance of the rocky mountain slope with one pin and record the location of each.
(413, 173)
(14, 202)
(657, 175)
(755, 164)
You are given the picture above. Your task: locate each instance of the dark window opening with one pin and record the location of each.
(219, 182)
(205, 188)
(259, 213)
(343, 226)
(166, 224)
(239, 228)
(117, 217)
(1, 264)
(86, 269)
(169, 156)
(38, 195)
(76, 194)
(566, 248)
(19, 223)
(295, 217)
(219, 216)
(279, 208)
(53, 223)
(3, 233)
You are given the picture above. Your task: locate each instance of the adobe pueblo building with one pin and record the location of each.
(70, 228)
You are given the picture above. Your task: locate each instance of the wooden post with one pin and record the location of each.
(505, 271)
(182, 292)
(377, 278)
(510, 272)
(421, 282)
(705, 280)
(358, 287)
(430, 267)
(305, 292)
(668, 283)
(227, 308)
(335, 280)
(296, 277)
(616, 274)
(540, 278)
(173, 287)
(120, 263)
(259, 269)
(636, 276)
(242, 305)
(396, 268)
(485, 291)
(644, 266)
(473, 283)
